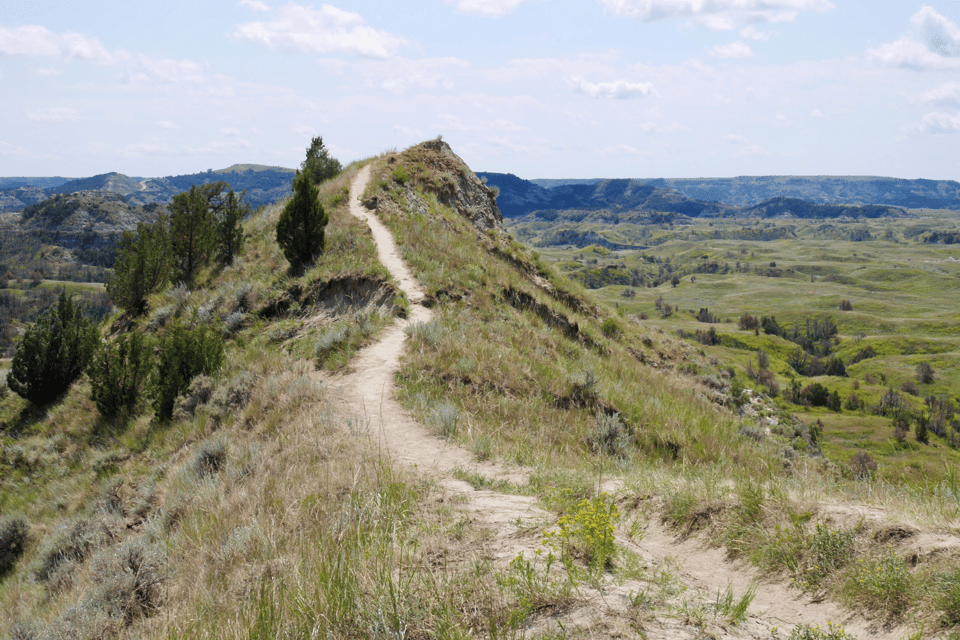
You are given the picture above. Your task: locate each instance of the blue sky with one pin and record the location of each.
(539, 88)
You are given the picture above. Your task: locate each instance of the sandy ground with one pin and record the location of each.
(515, 522)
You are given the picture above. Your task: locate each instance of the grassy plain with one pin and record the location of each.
(905, 306)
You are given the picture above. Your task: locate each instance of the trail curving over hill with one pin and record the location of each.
(515, 523)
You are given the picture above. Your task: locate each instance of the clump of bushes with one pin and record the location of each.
(210, 458)
(53, 353)
(70, 544)
(14, 533)
(184, 354)
(610, 436)
(444, 420)
(118, 372)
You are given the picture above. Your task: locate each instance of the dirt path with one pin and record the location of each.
(515, 522)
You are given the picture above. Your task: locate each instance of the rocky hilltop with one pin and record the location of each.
(85, 225)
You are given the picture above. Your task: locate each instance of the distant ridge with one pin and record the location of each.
(263, 184)
(699, 197)
(852, 190)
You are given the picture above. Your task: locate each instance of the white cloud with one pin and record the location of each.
(38, 41)
(816, 113)
(938, 47)
(940, 34)
(947, 95)
(54, 114)
(143, 68)
(48, 72)
(303, 130)
(716, 14)
(491, 8)
(400, 74)
(623, 150)
(166, 124)
(937, 123)
(7, 149)
(618, 89)
(733, 50)
(752, 33)
(744, 147)
(407, 131)
(140, 149)
(222, 146)
(324, 30)
(911, 54)
(230, 131)
(256, 5)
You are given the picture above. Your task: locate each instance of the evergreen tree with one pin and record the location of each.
(53, 353)
(192, 238)
(318, 164)
(184, 354)
(229, 230)
(118, 372)
(301, 227)
(143, 265)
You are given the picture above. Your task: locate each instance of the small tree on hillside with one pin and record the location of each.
(53, 353)
(229, 231)
(301, 227)
(193, 228)
(318, 164)
(142, 266)
(118, 372)
(184, 354)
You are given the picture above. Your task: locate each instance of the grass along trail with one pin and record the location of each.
(683, 581)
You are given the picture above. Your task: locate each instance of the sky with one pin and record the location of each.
(537, 88)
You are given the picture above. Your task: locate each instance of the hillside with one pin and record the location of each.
(849, 190)
(263, 185)
(518, 198)
(430, 433)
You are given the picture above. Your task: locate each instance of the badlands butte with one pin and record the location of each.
(435, 431)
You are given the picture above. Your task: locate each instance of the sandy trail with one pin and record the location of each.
(367, 392)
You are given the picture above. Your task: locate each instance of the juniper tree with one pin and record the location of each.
(183, 354)
(53, 353)
(229, 232)
(318, 164)
(143, 265)
(301, 227)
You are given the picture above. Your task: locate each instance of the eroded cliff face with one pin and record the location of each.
(434, 167)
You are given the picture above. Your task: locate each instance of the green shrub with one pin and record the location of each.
(882, 582)
(302, 224)
(948, 600)
(210, 458)
(14, 532)
(814, 632)
(610, 328)
(53, 353)
(610, 436)
(590, 525)
(444, 419)
(70, 543)
(143, 265)
(400, 175)
(118, 372)
(319, 164)
(184, 354)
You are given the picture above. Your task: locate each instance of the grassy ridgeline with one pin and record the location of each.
(262, 511)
